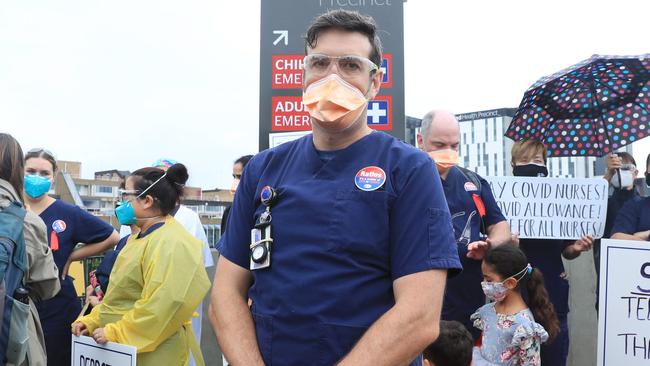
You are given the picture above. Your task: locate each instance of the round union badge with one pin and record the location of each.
(370, 178)
(58, 226)
(470, 187)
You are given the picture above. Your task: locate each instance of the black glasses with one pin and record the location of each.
(237, 176)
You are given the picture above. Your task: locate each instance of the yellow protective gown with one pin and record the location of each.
(155, 285)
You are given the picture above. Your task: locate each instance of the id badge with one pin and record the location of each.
(260, 248)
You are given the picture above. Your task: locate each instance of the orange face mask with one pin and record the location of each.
(444, 159)
(334, 102)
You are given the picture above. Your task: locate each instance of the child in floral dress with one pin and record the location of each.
(510, 334)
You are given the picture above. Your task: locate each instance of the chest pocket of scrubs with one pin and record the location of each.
(359, 222)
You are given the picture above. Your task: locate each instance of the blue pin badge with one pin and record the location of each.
(268, 196)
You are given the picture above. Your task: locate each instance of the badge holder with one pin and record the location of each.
(261, 240)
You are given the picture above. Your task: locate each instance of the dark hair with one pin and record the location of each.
(42, 153)
(12, 165)
(507, 261)
(453, 346)
(243, 160)
(167, 191)
(349, 21)
(626, 158)
(647, 162)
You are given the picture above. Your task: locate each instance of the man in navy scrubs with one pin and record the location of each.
(477, 220)
(633, 219)
(353, 269)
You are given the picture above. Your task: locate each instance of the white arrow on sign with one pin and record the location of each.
(283, 34)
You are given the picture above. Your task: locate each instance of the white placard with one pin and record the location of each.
(552, 208)
(624, 304)
(279, 138)
(87, 352)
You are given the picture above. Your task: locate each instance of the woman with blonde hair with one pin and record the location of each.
(67, 225)
(529, 159)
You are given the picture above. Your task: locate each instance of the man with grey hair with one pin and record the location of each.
(477, 220)
(336, 276)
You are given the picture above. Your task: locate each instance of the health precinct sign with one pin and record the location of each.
(624, 316)
(282, 49)
(552, 208)
(87, 352)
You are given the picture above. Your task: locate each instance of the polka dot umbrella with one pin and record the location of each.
(589, 109)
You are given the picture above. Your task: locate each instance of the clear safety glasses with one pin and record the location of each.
(350, 67)
(39, 150)
(123, 194)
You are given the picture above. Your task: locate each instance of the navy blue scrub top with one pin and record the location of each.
(546, 255)
(337, 249)
(71, 225)
(633, 217)
(614, 204)
(463, 294)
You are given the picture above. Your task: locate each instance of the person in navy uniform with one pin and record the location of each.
(353, 267)
(67, 225)
(529, 159)
(633, 219)
(477, 220)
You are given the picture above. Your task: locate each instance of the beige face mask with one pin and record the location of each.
(444, 159)
(334, 102)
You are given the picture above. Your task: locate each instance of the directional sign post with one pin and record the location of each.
(283, 28)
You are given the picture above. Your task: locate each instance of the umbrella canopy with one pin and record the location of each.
(589, 109)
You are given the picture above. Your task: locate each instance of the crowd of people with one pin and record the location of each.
(346, 246)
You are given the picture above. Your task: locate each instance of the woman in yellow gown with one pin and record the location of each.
(158, 278)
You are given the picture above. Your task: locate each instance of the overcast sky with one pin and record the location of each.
(118, 84)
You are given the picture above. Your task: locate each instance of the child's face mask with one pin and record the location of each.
(494, 291)
(497, 291)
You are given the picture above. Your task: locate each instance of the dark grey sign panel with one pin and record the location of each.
(284, 24)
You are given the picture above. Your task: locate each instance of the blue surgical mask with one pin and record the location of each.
(125, 213)
(36, 186)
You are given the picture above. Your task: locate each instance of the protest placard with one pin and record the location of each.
(624, 316)
(87, 352)
(552, 208)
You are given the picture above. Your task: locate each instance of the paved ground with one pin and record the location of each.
(209, 346)
(582, 319)
(583, 324)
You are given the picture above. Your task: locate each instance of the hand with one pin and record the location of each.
(477, 249)
(583, 244)
(514, 239)
(90, 291)
(64, 272)
(79, 329)
(613, 162)
(643, 235)
(93, 300)
(99, 336)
